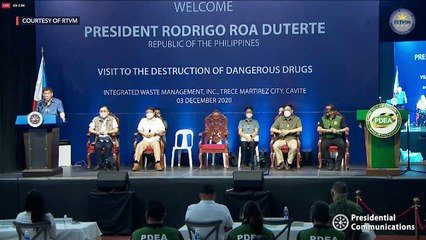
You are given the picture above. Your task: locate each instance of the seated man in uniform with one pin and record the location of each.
(287, 127)
(341, 205)
(102, 127)
(154, 215)
(208, 210)
(331, 126)
(151, 128)
(50, 105)
(320, 217)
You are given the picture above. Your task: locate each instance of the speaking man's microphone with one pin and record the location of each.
(380, 99)
(40, 106)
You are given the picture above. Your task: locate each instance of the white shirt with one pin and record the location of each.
(421, 105)
(25, 217)
(206, 211)
(153, 125)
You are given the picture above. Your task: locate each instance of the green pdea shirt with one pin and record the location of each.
(244, 232)
(283, 123)
(320, 233)
(156, 232)
(337, 122)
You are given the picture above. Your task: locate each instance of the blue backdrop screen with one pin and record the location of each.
(189, 58)
(410, 60)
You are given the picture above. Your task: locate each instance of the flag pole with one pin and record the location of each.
(40, 83)
(42, 54)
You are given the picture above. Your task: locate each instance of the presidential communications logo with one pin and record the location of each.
(402, 21)
(34, 119)
(369, 222)
(340, 222)
(383, 120)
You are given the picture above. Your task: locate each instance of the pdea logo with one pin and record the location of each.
(383, 120)
(402, 21)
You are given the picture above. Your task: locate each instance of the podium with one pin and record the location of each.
(41, 144)
(382, 148)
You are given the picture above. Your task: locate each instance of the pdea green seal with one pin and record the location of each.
(383, 120)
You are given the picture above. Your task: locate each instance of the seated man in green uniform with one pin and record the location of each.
(320, 216)
(331, 126)
(154, 215)
(252, 225)
(341, 205)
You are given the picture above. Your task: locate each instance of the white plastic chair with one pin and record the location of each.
(256, 139)
(183, 146)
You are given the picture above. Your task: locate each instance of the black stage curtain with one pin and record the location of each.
(113, 211)
(235, 202)
(18, 76)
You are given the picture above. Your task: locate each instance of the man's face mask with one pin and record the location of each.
(149, 115)
(287, 113)
(103, 114)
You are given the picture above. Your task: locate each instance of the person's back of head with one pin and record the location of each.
(253, 216)
(155, 212)
(320, 213)
(339, 189)
(207, 192)
(320, 216)
(34, 203)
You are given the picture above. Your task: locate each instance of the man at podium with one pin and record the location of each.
(401, 97)
(50, 105)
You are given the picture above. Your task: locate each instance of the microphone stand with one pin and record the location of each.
(408, 169)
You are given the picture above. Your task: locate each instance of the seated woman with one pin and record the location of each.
(248, 129)
(252, 225)
(35, 212)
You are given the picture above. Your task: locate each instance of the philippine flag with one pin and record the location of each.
(40, 84)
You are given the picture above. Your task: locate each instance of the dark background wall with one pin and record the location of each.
(17, 76)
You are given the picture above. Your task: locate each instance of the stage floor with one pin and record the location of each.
(212, 172)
